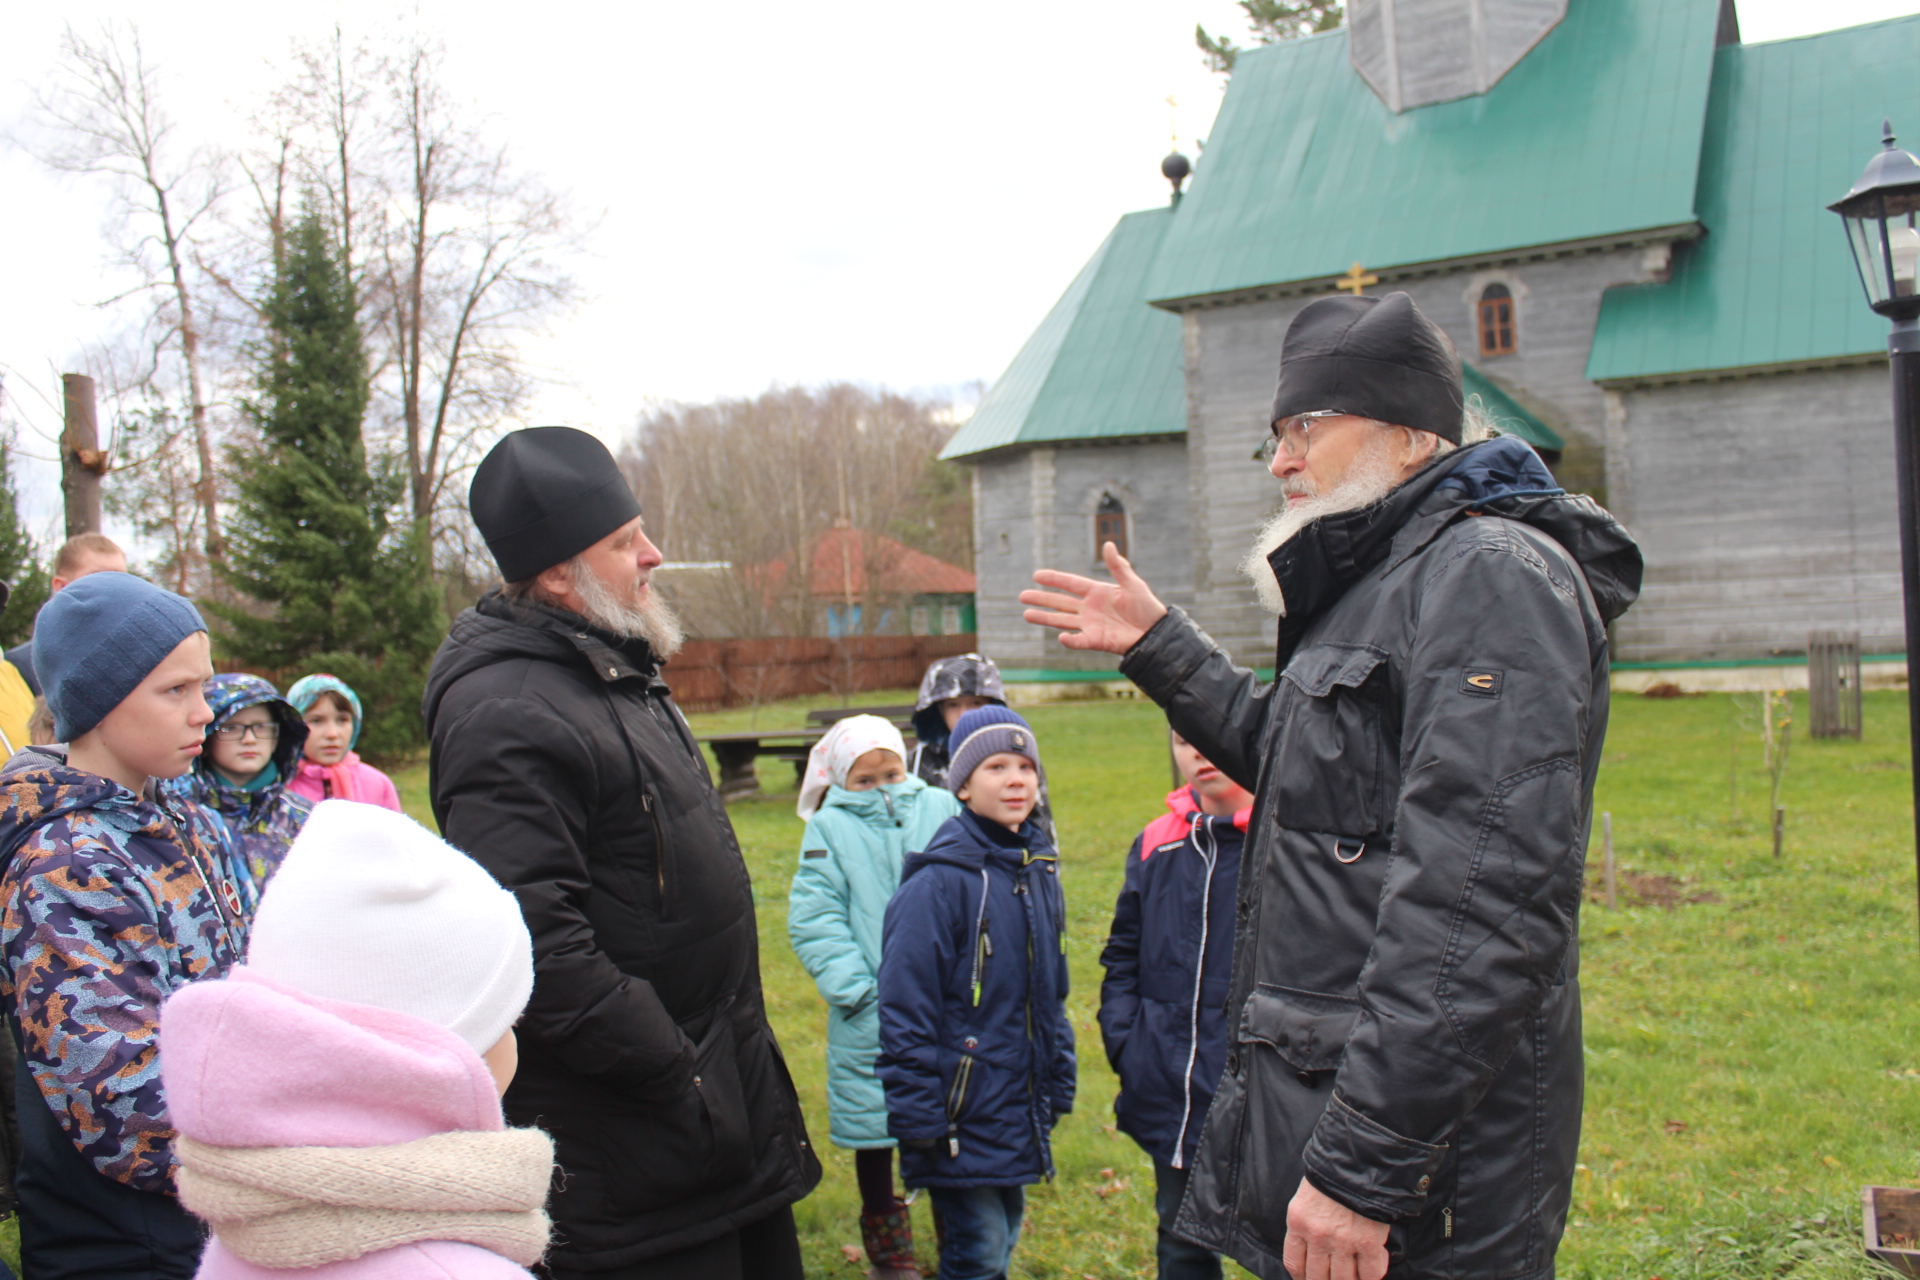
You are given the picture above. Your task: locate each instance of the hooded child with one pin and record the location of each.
(338, 1096)
(329, 769)
(252, 749)
(976, 1052)
(115, 895)
(864, 815)
(1169, 959)
(950, 688)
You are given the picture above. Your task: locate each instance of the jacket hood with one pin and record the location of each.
(1502, 477)
(38, 786)
(968, 841)
(253, 1063)
(949, 678)
(497, 629)
(1183, 804)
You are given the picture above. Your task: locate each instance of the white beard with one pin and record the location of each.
(637, 617)
(1371, 477)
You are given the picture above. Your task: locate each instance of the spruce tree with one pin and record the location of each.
(20, 566)
(341, 586)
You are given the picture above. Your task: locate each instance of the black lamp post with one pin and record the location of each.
(1879, 213)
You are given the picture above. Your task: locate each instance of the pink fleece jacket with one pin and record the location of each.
(351, 779)
(251, 1063)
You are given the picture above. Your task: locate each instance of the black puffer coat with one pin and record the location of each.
(561, 764)
(1405, 1011)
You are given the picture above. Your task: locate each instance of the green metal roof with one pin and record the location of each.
(1789, 127)
(1596, 132)
(1507, 413)
(1103, 364)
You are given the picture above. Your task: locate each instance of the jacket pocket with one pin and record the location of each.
(1292, 1042)
(688, 1146)
(1331, 744)
(957, 1091)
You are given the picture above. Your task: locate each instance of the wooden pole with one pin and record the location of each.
(81, 461)
(1606, 846)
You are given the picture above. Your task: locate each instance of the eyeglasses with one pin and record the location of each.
(267, 732)
(1292, 435)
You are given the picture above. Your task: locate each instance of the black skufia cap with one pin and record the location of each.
(545, 494)
(1377, 358)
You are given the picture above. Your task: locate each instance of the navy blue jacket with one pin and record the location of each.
(976, 1053)
(1169, 961)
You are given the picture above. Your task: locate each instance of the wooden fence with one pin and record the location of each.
(709, 675)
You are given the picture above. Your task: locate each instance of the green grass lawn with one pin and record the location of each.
(1750, 1047)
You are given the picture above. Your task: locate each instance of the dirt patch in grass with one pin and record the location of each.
(1643, 889)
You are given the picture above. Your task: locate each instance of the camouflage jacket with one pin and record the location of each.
(105, 911)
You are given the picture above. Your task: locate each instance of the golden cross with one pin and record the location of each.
(1173, 115)
(1356, 281)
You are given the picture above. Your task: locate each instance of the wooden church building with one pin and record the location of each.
(1615, 209)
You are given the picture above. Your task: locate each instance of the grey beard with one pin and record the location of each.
(1373, 475)
(646, 617)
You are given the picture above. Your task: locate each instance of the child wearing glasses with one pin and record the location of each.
(252, 751)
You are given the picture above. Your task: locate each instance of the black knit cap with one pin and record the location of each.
(545, 494)
(1376, 358)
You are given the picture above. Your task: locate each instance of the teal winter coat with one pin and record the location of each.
(850, 858)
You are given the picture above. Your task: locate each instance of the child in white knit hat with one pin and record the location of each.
(864, 815)
(337, 1097)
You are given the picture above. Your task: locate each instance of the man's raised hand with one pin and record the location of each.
(1090, 614)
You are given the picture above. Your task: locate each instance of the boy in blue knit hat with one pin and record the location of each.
(113, 896)
(976, 1053)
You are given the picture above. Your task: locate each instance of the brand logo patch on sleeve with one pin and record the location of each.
(1482, 683)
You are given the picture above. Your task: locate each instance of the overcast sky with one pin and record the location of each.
(890, 192)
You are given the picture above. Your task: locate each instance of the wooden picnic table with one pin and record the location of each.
(735, 752)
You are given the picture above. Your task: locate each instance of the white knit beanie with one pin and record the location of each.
(372, 908)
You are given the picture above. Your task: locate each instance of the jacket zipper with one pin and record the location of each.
(659, 848)
(1446, 1218)
(1210, 856)
(957, 1098)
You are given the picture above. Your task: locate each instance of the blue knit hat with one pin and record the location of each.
(988, 731)
(96, 640)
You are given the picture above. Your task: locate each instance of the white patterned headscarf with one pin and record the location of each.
(833, 756)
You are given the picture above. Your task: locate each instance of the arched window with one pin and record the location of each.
(1496, 321)
(1109, 525)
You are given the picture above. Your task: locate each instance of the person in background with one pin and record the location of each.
(338, 1096)
(78, 556)
(252, 750)
(950, 688)
(976, 1050)
(329, 769)
(114, 895)
(864, 817)
(1169, 959)
(16, 698)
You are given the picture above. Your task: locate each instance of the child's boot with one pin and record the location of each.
(889, 1240)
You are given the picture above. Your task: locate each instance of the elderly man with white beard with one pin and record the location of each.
(561, 764)
(1403, 1081)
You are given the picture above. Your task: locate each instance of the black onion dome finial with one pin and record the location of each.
(1175, 169)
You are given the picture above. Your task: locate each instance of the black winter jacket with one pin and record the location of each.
(1405, 1008)
(562, 766)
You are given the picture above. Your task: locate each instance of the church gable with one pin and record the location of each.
(1414, 53)
(1593, 136)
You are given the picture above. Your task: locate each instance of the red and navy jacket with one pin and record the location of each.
(1169, 959)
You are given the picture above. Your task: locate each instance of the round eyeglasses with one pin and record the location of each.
(267, 732)
(1293, 435)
